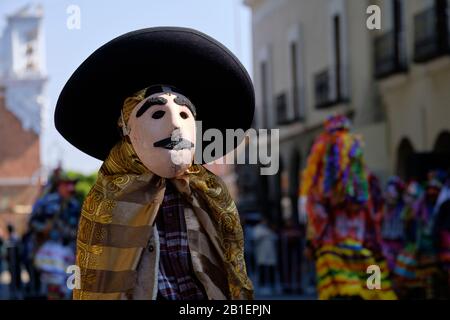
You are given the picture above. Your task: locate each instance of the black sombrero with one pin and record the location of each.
(203, 69)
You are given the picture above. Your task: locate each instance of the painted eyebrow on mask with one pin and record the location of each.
(182, 101)
(158, 101)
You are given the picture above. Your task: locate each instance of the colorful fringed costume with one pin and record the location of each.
(406, 263)
(442, 238)
(342, 219)
(418, 264)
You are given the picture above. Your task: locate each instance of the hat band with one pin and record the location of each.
(161, 88)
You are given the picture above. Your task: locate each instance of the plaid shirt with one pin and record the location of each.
(176, 279)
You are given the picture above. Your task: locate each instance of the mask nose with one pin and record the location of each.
(175, 118)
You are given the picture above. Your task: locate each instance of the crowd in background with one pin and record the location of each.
(413, 235)
(47, 248)
(416, 236)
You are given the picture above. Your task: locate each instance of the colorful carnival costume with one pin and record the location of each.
(442, 240)
(392, 231)
(417, 265)
(426, 246)
(341, 217)
(156, 225)
(406, 264)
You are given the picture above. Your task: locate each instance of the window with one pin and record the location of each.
(282, 110)
(431, 32)
(296, 95)
(264, 91)
(337, 55)
(294, 81)
(267, 114)
(389, 47)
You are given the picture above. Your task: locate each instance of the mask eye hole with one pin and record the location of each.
(158, 114)
(184, 115)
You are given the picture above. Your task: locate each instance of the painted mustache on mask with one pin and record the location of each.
(172, 143)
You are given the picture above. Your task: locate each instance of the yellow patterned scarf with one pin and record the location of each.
(118, 214)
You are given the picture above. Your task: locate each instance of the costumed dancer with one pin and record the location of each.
(156, 225)
(417, 265)
(336, 184)
(426, 245)
(392, 231)
(373, 227)
(442, 241)
(407, 283)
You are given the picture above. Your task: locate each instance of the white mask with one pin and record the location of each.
(163, 133)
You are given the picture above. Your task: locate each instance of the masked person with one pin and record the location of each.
(339, 207)
(156, 225)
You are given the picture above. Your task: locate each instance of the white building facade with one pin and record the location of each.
(316, 58)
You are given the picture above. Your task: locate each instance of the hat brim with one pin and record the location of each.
(212, 77)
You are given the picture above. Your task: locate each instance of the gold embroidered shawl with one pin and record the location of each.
(118, 214)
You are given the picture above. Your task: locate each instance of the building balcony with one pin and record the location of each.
(322, 91)
(390, 56)
(431, 33)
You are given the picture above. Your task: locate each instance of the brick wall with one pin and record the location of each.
(19, 158)
(19, 149)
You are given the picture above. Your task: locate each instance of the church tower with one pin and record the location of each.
(22, 84)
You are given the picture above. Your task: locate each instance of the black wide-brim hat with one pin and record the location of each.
(200, 67)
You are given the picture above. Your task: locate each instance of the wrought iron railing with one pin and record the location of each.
(390, 55)
(431, 34)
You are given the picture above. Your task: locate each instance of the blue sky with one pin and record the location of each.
(228, 21)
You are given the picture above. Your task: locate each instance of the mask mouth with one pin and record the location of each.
(174, 143)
